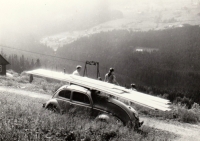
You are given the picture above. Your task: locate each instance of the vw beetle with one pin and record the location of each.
(99, 105)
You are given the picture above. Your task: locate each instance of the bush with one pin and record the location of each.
(10, 83)
(196, 110)
(15, 74)
(185, 115)
(22, 79)
(188, 116)
(185, 101)
(44, 87)
(196, 106)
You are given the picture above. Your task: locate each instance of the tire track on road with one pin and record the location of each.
(24, 92)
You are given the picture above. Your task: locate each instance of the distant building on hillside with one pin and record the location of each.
(3, 63)
(144, 49)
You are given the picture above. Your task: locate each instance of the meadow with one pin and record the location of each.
(23, 118)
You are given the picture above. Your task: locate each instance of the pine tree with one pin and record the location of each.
(16, 64)
(37, 63)
(22, 64)
(9, 60)
(2, 51)
(32, 65)
(27, 64)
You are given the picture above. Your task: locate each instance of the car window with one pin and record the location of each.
(79, 97)
(65, 94)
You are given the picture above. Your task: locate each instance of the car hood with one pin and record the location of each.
(104, 105)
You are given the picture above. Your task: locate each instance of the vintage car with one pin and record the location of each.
(98, 105)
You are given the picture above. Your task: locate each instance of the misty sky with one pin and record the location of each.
(51, 16)
(37, 15)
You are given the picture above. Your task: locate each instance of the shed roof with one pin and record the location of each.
(3, 61)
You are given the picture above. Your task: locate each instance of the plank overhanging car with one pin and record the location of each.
(73, 96)
(108, 105)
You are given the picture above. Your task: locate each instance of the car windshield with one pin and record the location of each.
(65, 94)
(79, 97)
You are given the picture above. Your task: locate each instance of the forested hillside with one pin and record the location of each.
(174, 68)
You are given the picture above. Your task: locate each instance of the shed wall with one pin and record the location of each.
(3, 70)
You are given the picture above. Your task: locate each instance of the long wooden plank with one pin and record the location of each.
(119, 89)
(60, 76)
(121, 92)
(69, 77)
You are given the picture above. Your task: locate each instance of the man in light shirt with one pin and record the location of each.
(133, 87)
(77, 71)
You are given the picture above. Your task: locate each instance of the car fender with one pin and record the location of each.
(52, 102)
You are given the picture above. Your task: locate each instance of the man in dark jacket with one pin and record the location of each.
(110, 77)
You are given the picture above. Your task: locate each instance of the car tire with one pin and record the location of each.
(53, 108)
(103, 117)
(109, 118)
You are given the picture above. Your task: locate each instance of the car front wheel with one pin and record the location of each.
(53, 108)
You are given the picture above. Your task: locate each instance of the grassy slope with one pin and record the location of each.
(23, 118)
(21, 81)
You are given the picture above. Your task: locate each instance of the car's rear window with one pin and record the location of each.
(79, 97)
(65, 94)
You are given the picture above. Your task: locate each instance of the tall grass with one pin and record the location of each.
(23, 118)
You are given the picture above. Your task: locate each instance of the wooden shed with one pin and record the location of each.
(3, 63)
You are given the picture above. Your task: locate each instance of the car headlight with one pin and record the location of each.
(134, 112)
(136, 115)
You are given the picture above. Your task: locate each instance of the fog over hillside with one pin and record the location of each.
(47, 19)
(136, 16)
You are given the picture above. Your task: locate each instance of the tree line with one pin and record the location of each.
(21, 63)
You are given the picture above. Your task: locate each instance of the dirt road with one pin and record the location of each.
(24, 92)
(187, 132)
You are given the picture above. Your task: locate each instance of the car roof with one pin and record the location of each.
(79, 88)
(76, 88)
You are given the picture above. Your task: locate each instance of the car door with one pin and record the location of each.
(64, 100)
(81, 103)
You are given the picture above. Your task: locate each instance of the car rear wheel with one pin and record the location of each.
(109, 119)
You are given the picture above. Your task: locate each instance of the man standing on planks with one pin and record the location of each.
(110, 77)
(77, 71)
